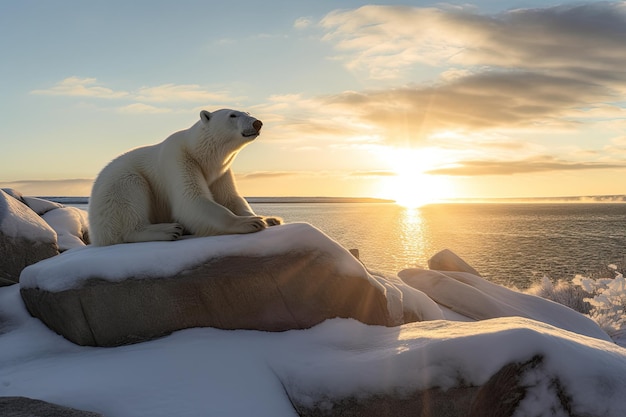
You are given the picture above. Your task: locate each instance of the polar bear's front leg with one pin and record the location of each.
(225, 193)
(202, 216)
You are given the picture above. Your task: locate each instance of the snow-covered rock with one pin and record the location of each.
(446, 260)
(70, 225)
(285, 277)
(501, 367)
(32, 229)
(25, 238)
(469, 365)
(474, 297)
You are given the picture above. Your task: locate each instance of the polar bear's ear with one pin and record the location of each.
(205, 116)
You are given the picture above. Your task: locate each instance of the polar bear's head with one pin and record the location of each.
(231, 126)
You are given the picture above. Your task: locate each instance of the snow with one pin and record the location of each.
(477, 298)
(163, 259)
(69, 224)
(200, 372)
(17, 220)
(206, 371)
(40, 205)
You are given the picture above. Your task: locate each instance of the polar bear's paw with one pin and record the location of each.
(249, 224)
(159, 231)
(273, 221)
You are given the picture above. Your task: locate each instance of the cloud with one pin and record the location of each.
(315, 174)
(533, 165)
(386, 41)
(81, 87)
(373, 173)
(511, 100)
(302, 23)
(164, 93)
(265, 174)
(184, 92)
(141, 108)
(527, 70)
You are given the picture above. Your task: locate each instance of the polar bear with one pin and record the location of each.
(181, 185)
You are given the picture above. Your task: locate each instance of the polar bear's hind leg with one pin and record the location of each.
(137, 198)
(122, 213)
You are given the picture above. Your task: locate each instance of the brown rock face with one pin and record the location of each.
(273, 293)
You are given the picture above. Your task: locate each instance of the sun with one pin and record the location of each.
(410, 185)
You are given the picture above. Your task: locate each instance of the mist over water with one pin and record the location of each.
(511, 244)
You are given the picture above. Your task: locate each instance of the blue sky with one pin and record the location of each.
(489, 99)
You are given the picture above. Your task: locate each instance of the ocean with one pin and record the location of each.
(511, 244)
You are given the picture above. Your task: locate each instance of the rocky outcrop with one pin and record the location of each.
(285, 277)
(460, 288)
(293, 291)
(446, 260)
(32, 229)
(25, 238)
(500, 396)
(28, 407)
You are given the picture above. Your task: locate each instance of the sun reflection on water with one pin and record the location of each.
(413, 236)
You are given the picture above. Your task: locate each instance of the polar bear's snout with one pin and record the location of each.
(255, 130)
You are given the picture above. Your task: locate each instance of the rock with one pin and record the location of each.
(15, 194)
(41, 206)
(28, 407)
(434, 402)
(304, 279)
(518, 368)
(500, 396)
(446, 260)
(473, 296)
(24, 238)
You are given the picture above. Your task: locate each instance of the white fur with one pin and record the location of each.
(181, 184)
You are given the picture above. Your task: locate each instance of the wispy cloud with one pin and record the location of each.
(505, 100)
(81, 87)
(177, 93)
(373, 173)
(142, 108)
(331, 174)
(385, 41)
(266, 174)
(160, 94)
(543, 69)
(302, 23)
(540, 164)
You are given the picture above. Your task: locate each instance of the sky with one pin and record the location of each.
(416, 101)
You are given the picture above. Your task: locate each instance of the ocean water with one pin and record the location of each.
(510, 244)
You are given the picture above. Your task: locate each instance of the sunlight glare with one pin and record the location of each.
(411, 186)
